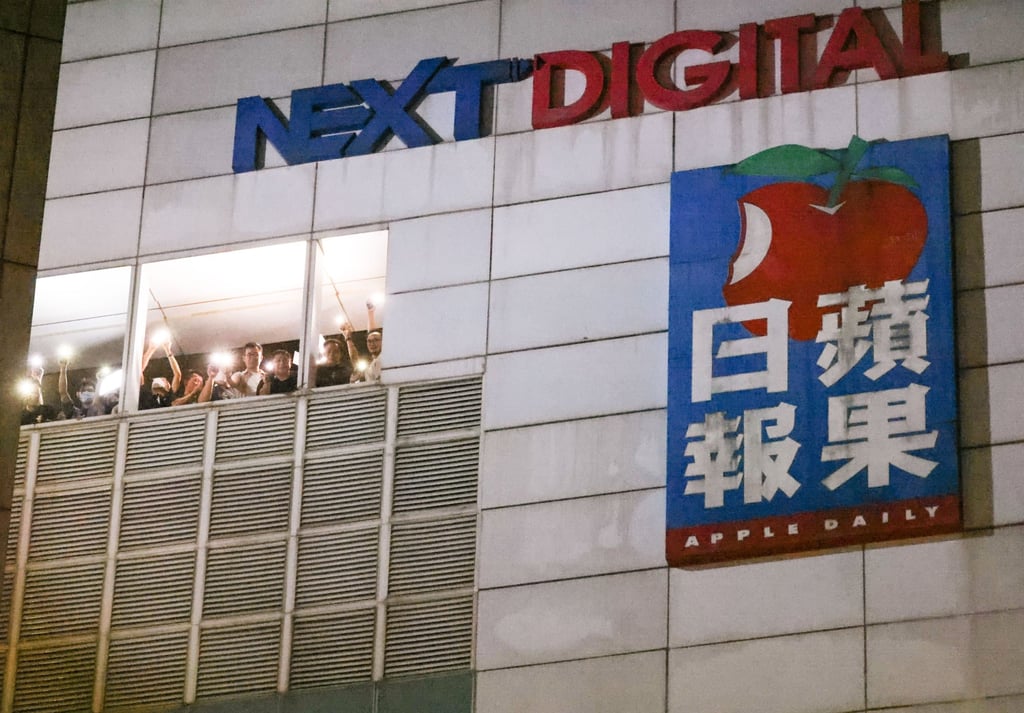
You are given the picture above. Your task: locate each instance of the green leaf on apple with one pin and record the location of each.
(789, 161)
(887, 173)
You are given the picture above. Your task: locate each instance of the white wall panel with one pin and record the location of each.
(439, 250)
(573, 459)
(227, 209)
(1005, 704)
(108, 89)
(91, 228)
(987, 174)
(810, 673)
(473, 366)
(988, 100)
(389, 46)
(194, 144)
(404, 184)
(765, 599)
(197, 20)
(586, 230)
(572, 538)
(595, 379)
(577, 305)
(946, 578)
(990, 398)
(989, 30)
(436, 325)
(532, 26)
(905, 108)
(993, 478)
(584, 158)
(729, 14)
(98, 158)
(347, 9)
(983, 319)
(219, 73)
(989, 251)
(613, 684)
(825, 119)
(945, 659)
(595, 616)
(106, 27)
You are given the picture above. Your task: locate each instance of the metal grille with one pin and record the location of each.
(336, 568)
(70, 524)
(447, 406)
(55, 680)
(429, 636)
(332, 650)
(156, 444)
(239, 659)
(342, 489)
(62, 601)
(146, 671)
(20, 462)
(245, 579)
(436, 475)
(160, 512)
(251, 500)
(432, 555)
(150, 592)
(346, 418)
(255, 429)
(75, 453)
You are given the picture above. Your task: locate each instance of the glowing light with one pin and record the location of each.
(362, 364)
(377, 299)
(268, 365)
(342, 321)
(35, 361)
(110, 383)
(222, 359)
(160, 336)
(64, 351)
(27, 388)
(103, 371)
(321, 359)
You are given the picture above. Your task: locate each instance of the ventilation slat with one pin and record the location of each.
(432, 556)
(430, 408)
(76, 453)
(70, 524)
(436, 475)
(252, 500)
(160, 512)
(55, 680)
(256, 430)
(62, 601)
(244, 580)
(332, 650)
(160, 443)
(146, 671)
(20, 463)
(351, 417)
(150, 592)
(342, 489)
(239, 660)
(335, 568)
(429, 637)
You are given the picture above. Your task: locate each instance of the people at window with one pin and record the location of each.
(367, 370)
(161, 393)
(33, 408)
(282, 379)
(87, 400)
(248, 381)
(335, 369)
(193, 387)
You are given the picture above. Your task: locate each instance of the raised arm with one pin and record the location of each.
(353, 353)
(175, 369)
(146, 356)
(207, 391)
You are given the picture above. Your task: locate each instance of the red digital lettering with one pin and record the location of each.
(549, 108)
(866, 50)
(914, 60)
(621, 86)
(652, 71)
(787, 31)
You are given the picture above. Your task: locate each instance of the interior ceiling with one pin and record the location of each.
(210, 302)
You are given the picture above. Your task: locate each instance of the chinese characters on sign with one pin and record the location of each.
(812, 399)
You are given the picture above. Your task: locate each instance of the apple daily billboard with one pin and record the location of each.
(812, 384)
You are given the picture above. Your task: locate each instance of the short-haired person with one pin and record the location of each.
(370, 373)
(33, 408)
(249, 380)
(335, 369)
(193, 387)
(161, 392)
(282, 380)
(87, 400)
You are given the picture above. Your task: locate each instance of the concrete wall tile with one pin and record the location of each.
(905, 108)
(1005, 704)
(90, 228)
(810, 673)
(194, 144)
(613, 684)
(579, 618)
(197, 20)
(436, 325)
(439, 250)
(572, 538)
(988, 30)
(993, 485)
(729, 14)
(992, 396)
(988, 251)
(713, 605)
(98, 158)
(993, 310)
(105, 27)
(348, 9)
(988, 100)
(986, 174)
(108, 89)
(577, 381)
(580, 231)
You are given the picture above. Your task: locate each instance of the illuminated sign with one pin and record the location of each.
(812, 382)
(340, 120)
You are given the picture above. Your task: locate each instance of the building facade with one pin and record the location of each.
(484, 529)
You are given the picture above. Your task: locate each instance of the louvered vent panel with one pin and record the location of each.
(429, 408)
(432, 556)
(257, 429)
(14, 530)
(70, 524)
(436, 475)
(346, 418)
(77, 452)
(159, 443)
(55, 680)
(332, 650)
(62, 601)
(155, 591)
(21, 463)
(342, 489)
(429, 637)
(336, 568)
(146, 671)
(242, 580)
(160, 512)
(5, 610)
(239, 660)
(251, 500)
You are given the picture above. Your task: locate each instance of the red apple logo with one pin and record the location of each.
(800, 240)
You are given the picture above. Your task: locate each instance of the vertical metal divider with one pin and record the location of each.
(202, 542)
(20, 563)
(384, 544)
(292, 562)
(109, 575)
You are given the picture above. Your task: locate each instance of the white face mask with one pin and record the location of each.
(86, 397)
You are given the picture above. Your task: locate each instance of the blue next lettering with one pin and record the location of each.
(349, 120)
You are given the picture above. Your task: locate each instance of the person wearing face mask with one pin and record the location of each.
(87, 400)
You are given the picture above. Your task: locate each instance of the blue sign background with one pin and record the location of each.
(705, 233)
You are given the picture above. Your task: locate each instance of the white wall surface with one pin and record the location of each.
(538, 258)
